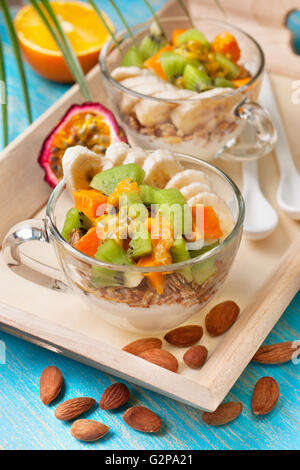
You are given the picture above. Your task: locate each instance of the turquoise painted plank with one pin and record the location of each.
(27, 424)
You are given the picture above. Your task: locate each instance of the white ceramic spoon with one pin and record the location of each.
(288, 193)
(260, 217)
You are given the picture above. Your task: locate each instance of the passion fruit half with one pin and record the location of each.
(89, 124)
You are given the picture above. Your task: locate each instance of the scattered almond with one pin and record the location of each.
(51, 382)
(161, 358)
(265, 395)
(74, 407)
(114, 396)
(276, 353)
(225, 413)
(142, 419)
(184, 336)
(195, 357)
(221, 317)
(141, 345)
(88, 430)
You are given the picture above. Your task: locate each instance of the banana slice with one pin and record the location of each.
(220, 207)
(136, 155)
(187, 177)
(115, 155)
(80, 165)
(159, 167)
(121, 73)
(194, 188)
(149, 88)
(151, 112)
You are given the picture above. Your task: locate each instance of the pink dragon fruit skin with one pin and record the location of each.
(116, 133)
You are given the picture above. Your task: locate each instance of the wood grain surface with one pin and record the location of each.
(27, 424)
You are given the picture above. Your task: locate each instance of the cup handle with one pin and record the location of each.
(259, 127)
(25, 266)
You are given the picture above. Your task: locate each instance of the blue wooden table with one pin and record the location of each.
(27, 424)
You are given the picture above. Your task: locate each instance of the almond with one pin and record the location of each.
(276, 353)
(88, 430)
(265, 395)
(141, 345)
(161, 358)
(221, 317)
(142, 419)
(225, 413)
(114, 396)
(51, 382)
(195, 357)
(184, 336)
(74, 407)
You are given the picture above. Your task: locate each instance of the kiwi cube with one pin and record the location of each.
(147, 194)
(107, 180)
(232, 70)
(196, 79)
(191, 35)
(75, 219)
(173, 206)
(202, 271)
(133, 57)
(179, 253)
(140, 243)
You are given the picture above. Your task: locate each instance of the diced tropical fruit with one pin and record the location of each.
(133, 57)
(175, 35)
(151, 44)
(191, 34)
(75, 220)
(179, 253)
(232, 70)
(89, 243)
(91, 202)
(155, 279)
(154, 64)
(107, 180)
(173, 206)
(140, 243)
(111, 252)
(223, 83)
(134, 206)
(147, 194)
(124, 186)
(238, 82)
(202, 271)
(196, 80)
(226, 44)
(205, 217)
(172, 64)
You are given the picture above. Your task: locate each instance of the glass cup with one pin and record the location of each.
(121, 294)
(229, 124)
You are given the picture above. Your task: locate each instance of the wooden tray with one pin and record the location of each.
(259, 282)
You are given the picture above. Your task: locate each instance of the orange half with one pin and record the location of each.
(83, 28)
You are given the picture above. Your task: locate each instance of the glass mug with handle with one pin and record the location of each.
(123, 297)
(227, 124)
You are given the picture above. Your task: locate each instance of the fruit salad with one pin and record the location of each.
(189, 61)
(143, 209)
(180, 93)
